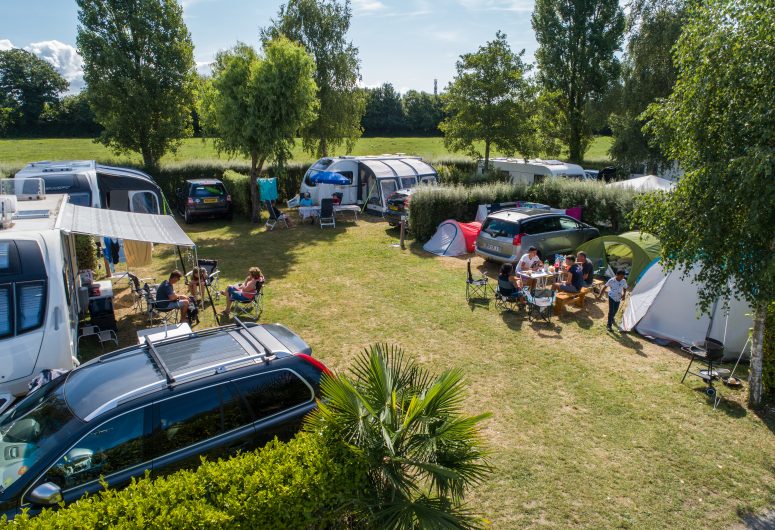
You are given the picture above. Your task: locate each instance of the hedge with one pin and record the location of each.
(308, 482)
(768, 362)
(600, 205)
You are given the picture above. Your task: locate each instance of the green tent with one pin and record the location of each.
(631, 251)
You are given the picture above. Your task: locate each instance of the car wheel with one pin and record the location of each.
(187, 217)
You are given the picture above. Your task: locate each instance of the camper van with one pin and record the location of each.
(38, 286)
(90, 184)
(373, 178)
(533, 171)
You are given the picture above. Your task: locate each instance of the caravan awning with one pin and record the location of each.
(122, 225)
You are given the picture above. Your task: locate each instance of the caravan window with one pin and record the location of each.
(30, 305)
(143, 202)
(6, 322)
(24, 288)
(408, 182)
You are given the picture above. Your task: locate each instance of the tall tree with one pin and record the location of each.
(718, 123)
(259, 103)
(27, 85)
(384, 113)
(648, 74)
(321, 26)
(139, 69)
(423, 112)
(577, 41)
(487, 102)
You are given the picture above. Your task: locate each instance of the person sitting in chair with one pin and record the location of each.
(245, 291)
(508, 284)
(337, 198)
(573, 277)
(279, 215)
(306, 199)
(166, 298)
(530, 261)
(198, 283)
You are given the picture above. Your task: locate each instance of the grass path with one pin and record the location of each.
(589, 429)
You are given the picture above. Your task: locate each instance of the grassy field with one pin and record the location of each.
(589, 429)
(16, 153)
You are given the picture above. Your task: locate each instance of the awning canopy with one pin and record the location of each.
(122, 225)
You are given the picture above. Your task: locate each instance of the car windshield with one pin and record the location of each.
(500, 228)
(32, 428)
(209, 190)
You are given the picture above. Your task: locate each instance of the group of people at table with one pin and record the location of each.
(576, 273)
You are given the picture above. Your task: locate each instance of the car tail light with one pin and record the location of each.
(518, 239)
(314, 362)
(228, 198)
(190, 201)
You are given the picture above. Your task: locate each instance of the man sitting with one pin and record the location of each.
(572, 277)
(166, 298)
(529, 261)
(587, 269)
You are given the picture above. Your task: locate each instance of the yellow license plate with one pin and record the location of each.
(394, 208)
(211, 200)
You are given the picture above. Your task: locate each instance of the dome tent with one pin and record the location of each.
(453, 238)
(639, 248)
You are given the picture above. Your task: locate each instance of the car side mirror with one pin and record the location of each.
(47, 494)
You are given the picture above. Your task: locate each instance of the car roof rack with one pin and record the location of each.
(261, 350)
(159, 362)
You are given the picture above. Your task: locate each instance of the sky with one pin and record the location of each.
(408, 43)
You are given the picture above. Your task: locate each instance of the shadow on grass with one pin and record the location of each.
(514, 319)
(625, 340)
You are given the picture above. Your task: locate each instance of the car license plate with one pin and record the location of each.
(496, 248)
(210, 200)
(393, 207)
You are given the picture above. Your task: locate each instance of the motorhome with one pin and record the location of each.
(38, 291)
(90, 184)
(372, 178)
(533, 171)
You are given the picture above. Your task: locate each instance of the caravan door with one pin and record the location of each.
(143, 202)
(387, 187)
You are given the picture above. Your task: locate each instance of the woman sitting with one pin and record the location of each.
(306, 199)
(508, 284)
(198, 283)
(245, 291)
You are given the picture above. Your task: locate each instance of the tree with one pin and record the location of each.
(260, 103)
(648, 75)
(718, 123)
(384, 113)
(71, 117)
(321, 27)
(27, 85)
(488, 101)
(139, 68)
(423, 112)
(576, 45)
(421, 452)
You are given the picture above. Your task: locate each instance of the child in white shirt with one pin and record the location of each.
(617, 290)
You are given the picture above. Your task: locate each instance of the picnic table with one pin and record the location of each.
(538, 278)
(306, 212)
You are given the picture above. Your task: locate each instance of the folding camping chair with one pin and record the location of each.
(476, 288)
(212, 278)
(159, 310)
(327, 213)
(138, 294)
(508, 301)
(540, 304)
(275, 219)
(102, 336)
(708, 353)
(253, 307)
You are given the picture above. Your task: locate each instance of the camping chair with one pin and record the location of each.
(476, 288)
(274, 219)
(327, 213)
(138, 294)
(213, 278)
(102, 336)
(253, 307)
(508, 301)
(540, 304)
(158, 310)
(709, 353)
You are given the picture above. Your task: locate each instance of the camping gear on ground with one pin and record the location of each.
(663, 305)
(267, 189)
(707, 353)
(476, 288)
(327, 217)
(645, 184)
(630, 251)
(540, 304)
(453, 238)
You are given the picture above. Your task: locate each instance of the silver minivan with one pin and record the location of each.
(507, 234)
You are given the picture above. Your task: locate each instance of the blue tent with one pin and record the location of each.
(329, 177)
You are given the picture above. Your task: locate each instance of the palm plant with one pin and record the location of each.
(406, 426)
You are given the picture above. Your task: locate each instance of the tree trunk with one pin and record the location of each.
(574, 141)
(486, 155)
(755, 385)
(255, 207)
(150, 164)
(323, 147)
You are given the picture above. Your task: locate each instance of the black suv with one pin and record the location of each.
(203, 198)
(159, 407)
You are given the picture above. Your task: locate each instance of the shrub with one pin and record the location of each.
(768, 363)
(305, 483)
(600, 205)
(239, 188)
(85, 252)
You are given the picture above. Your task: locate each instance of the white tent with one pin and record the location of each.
(645, 183)
(663, 305)
(453, 238)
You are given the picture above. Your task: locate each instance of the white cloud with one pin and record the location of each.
(204, 68)
(5, 44)
(64, 58)
(367, 6)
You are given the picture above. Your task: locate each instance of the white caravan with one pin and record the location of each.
(533, 171)
(373, 178)
(38, 286)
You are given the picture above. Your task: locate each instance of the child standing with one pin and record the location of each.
(617, 289)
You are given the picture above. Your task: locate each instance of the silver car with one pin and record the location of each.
(507, 234)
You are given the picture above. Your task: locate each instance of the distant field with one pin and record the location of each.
(16, 153)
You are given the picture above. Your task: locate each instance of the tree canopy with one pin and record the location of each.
(487, 101)
(718, 123)
(139, 67)
(260, 103)
(27, 85)
(384, 112)
(576, 58)
(321, 27)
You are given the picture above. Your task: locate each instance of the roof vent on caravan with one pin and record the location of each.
(7, 209)
(25, 190)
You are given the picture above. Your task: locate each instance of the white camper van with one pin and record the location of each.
(373, 178)
(534, 171)
(38, 286)
(90, 184)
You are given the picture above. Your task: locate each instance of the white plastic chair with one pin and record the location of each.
(102, 336)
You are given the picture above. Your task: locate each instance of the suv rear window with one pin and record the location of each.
(542, 225)
(209, 190)
(273, 392)
(500, 228)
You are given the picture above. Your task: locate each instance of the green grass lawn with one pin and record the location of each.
(16, 153)
(589, 429)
